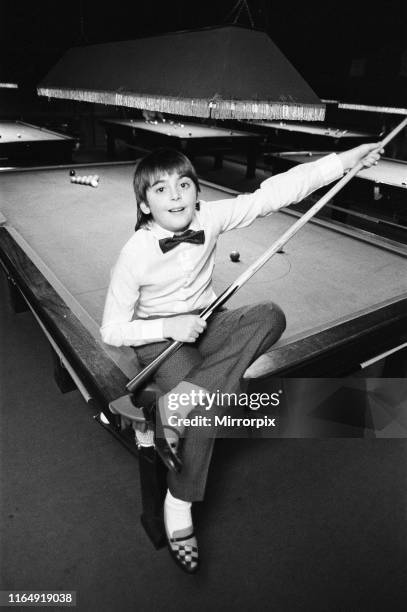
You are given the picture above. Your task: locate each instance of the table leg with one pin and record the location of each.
(251, 162)
(61, 374)
(152, 472)
(110, 145)
(153, 490)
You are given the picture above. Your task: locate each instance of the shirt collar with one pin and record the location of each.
(160, 232)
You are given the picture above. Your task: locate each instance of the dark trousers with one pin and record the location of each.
(216, 362)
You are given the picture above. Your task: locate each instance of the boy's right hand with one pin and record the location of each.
(184, 328)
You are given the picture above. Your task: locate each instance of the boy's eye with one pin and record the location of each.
(160, 189)
(185, 185)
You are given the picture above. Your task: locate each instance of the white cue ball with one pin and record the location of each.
(94, 182)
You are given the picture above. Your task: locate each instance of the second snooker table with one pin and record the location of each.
(301, 135)
(21, 142)
(387, 174)
(376, 198)
(344, 294)
(190, 138)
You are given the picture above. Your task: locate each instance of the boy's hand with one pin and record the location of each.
(184, 328)
(368, 154)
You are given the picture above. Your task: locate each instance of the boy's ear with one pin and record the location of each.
(144, 208)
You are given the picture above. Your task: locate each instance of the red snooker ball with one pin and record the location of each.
(235, 256)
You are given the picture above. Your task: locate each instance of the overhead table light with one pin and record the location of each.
(225, 72)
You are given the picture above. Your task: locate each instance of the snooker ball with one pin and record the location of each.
(235, 256)
(72, 173)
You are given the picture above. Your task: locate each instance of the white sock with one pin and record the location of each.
(177, 514)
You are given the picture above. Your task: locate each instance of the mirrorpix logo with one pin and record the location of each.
(213, 401)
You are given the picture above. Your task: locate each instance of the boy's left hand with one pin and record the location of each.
(368, 154)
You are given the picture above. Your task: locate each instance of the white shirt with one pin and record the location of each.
(146, 282)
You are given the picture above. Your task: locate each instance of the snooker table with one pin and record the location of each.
(387, 174)
(58, 242)
(344, 292)
(190, 138)
(376, 198)
(21, 142)
(302, 135)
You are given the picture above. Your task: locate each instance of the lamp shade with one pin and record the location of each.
(223, 72)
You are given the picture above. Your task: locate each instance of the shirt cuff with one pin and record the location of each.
(151, 329)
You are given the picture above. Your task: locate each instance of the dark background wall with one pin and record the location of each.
(326, 41)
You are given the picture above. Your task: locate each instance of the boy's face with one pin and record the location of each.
(171, 201)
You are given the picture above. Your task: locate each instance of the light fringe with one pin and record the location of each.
(216, 108)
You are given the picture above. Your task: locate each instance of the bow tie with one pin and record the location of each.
(166, 244)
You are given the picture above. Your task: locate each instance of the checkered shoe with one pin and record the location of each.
(184, 550)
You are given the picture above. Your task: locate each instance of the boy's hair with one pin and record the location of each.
(154, 165)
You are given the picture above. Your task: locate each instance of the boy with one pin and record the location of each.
(163, 279)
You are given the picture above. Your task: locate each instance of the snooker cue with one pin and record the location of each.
(140, 378)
